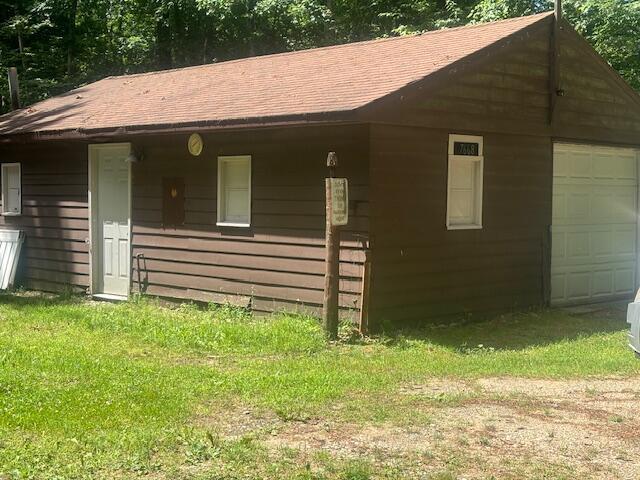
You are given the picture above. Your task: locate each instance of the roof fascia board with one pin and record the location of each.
(444, 75)
(338, 117)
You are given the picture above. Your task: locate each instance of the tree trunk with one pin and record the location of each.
(163, 44)
(328, 37)
(71, 36)
(250, 10)
(21, 50)
(204, 49)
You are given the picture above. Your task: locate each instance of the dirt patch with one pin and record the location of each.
(233, 422)
(505, 427)
(441, 387)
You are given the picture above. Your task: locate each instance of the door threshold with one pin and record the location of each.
(109, 297)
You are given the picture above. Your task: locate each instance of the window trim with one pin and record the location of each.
(479, 194)
(3, 175)
(231, 159)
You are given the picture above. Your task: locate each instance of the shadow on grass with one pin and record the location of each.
(37, 299)
(518, 331)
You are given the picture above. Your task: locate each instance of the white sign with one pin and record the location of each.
(339, 201)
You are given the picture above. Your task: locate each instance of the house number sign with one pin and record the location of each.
(339, 201)
(467, 149)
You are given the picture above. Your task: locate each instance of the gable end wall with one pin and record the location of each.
(421, 270)
(596, 107)
(424, 272)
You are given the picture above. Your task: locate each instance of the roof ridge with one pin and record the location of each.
(328, 47)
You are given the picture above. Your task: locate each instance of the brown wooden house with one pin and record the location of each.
(492, 167)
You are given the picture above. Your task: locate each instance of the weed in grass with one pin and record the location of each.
(445, 475)
(463, 441)
(616, 419)
(591, 392)
(490, 427)
(356, 470)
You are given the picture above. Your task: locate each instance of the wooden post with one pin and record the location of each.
(14, 89)
(332, 263)
(366, 288)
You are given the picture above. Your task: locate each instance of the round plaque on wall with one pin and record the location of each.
(195, 144)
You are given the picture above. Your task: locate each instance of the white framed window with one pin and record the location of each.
(234, 191)
(11, 189)
(465, 182)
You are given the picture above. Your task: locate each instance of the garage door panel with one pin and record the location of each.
(625, 206)
(602, 205)
(603, 283)
(558, 288)
(625, 243)
(558, 247)
(585, 244)
(602, 244)
(588, 162)
(559, 206)
(579, 168)
(578, 206)
(625, 281)
(591, 283)
(594, 231)
(578, 246)
(593, 204)
(578, 285)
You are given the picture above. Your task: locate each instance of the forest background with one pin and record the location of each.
(60, 44)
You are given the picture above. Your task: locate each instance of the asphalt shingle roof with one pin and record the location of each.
(340, 78)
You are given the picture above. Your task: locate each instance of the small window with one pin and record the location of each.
(464, 187)
(11, 194)
(234, 191)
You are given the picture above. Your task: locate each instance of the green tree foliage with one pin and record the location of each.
(59, 44)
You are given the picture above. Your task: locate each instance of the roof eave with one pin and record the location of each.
(89, 134)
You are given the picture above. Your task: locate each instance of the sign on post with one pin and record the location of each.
(339, 201)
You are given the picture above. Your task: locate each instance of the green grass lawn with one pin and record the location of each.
(113, 391)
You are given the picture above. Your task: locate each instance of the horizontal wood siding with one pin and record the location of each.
(595, 107)
(279, 261)
(54, 215)
(508, 92)
(422, 270)
(505, 92)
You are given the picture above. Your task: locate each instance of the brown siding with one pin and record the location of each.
(421, 270)
(596, 106)
(506, 92)
(54, 215)
(279, 261)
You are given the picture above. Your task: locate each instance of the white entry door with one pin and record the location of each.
(595, 225)
(110, 212)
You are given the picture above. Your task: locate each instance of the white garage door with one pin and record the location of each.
(594, 232)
